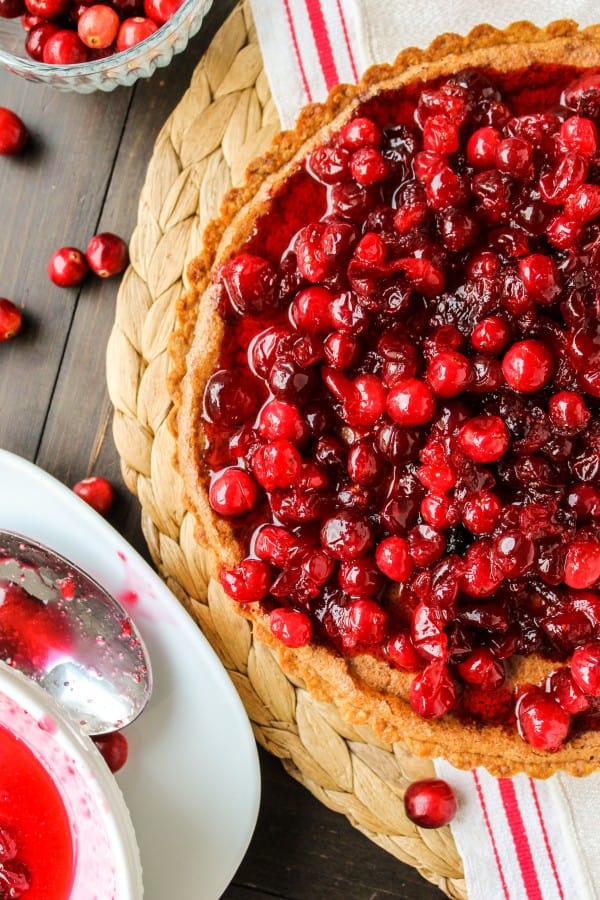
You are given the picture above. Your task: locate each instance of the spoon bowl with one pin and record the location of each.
(63, 630)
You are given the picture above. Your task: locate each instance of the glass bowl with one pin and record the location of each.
(105, 74)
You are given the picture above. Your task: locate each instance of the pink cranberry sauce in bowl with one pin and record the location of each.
(65, 832)
(398, 441)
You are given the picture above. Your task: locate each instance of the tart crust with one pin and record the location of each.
(365, 690)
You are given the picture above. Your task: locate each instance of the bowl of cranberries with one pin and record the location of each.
(89, 45)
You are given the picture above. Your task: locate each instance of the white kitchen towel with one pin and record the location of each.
(520, 839)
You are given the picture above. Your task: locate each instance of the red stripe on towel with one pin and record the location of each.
(322, 42)
(547, 843)
(520, 839)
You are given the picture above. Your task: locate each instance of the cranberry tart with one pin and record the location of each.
(386, 383)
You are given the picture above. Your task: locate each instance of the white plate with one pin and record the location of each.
(192, 780)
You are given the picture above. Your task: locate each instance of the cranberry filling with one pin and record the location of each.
(402, 428)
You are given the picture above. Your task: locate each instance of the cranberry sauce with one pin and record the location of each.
(31, 635)
(403, 429)
(36, 850)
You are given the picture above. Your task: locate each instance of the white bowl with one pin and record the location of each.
(106, 861)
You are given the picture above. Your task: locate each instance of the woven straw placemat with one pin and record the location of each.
(223, 121)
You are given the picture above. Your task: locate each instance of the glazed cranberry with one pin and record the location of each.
(67, 267)
(514, 156)
(541, 278)
(13, 133)
(439, 511)
(433, 693)
(10, 9)
(311, 310)
(568, 411)
(400, 652)
(393, 558)
(37, 37)
(64, 48)
(274, 544)
(570, 172)
(365, 623)
(481, 147)
(446, 188)
(280, 419)
(482, 668)
(449, 373)
(437, 477)
(292, 627)
(490, 335)
(329, 164)
(232, 492)
(360, 578)
(430, 803)
(247, 582)
(514, 553)
(564, 233)
(11, 319)
(97, 26)
(481, 512)
(426, 164)
(133, 31)
(584, 501)
(342, 351)
(563, 688)
(484, 439)
(411, 402)
(346, 535)
(367, 166)
(582, 563)
(48, 9)
(276, 465)
(583, 204)
(364, 463)
(114, 748)
(528, 366)
(458, 229)
(160, 11)
(360, 132)
(580, 135)
(426, 545)
(585, 669)
(481, 575)
(542, 722)
(97, 493)
(440, 134)
(106, 254)
(229, 398)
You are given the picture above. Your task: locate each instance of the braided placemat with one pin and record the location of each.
(223, 121)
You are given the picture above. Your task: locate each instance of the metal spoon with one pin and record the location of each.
(59, 627)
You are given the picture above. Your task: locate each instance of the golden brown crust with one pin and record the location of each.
(364, 689)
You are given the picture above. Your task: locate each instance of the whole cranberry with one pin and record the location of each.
(481, 667)
(133, 31)
(393, 558)
(484, 438)
(360, 132)
(346, 535)
(106, 254)
(248, 582)
(364, 623)
(276, 465)
(568, 411)
(541, 721)
(585, 669)
(114, 748)
(430, 803)
(37, 37)
(10, 9)
(232, 492)
(582, 563)
(97, 492)
(528, 365)
(48, 9)
(449, 373)
(433, 692)
(13, 133)
(11, 319)
(411, 402)
(160, 11)
(292, 627)
(64, 48)
(67, 267)
(230, 398)
(97, 26)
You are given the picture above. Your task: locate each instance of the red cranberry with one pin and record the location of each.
(482, 668)
(393, 558)
(229, 398)
(13, 133)
(481, 575)
(367, 166)
(568, 411)
(437, 477)
(400, 652)
(133, 31)
(360, 132)
(232, 492)
(11, 319)
(484, 438)
(276, 465)
(582, 564)
(580, 135)
(48, 9)
(67, 267)
(64, 48)
(481, 512)
(440, 134)
(585, 669)
(274, 544)
(514, 553)
(106, 254)
(10, 9)
(432, 693)
(37, 37)
(449, 373)
(114, 748)
(514, 156)
(570, 172)
(567, 694)
(290, 626)
(528, 366)
(583, 204)
(311, 310)
(541, 721)
(439, 511)
(97, 493)
(410, 402)
(247, 582)
(365, 623)
(430, 803)
(97, 26)
(360, 578)
(346, 535)
(160, 11)
(541, 278)
(280, 419)
(482, 146)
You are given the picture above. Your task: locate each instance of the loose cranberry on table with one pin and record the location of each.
(430, 803)
(106, 254)
(67, 267)
(13, 133)
(114, 748)
(11, 319)
(97, 492)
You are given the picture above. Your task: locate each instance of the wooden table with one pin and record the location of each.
(82, 174)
